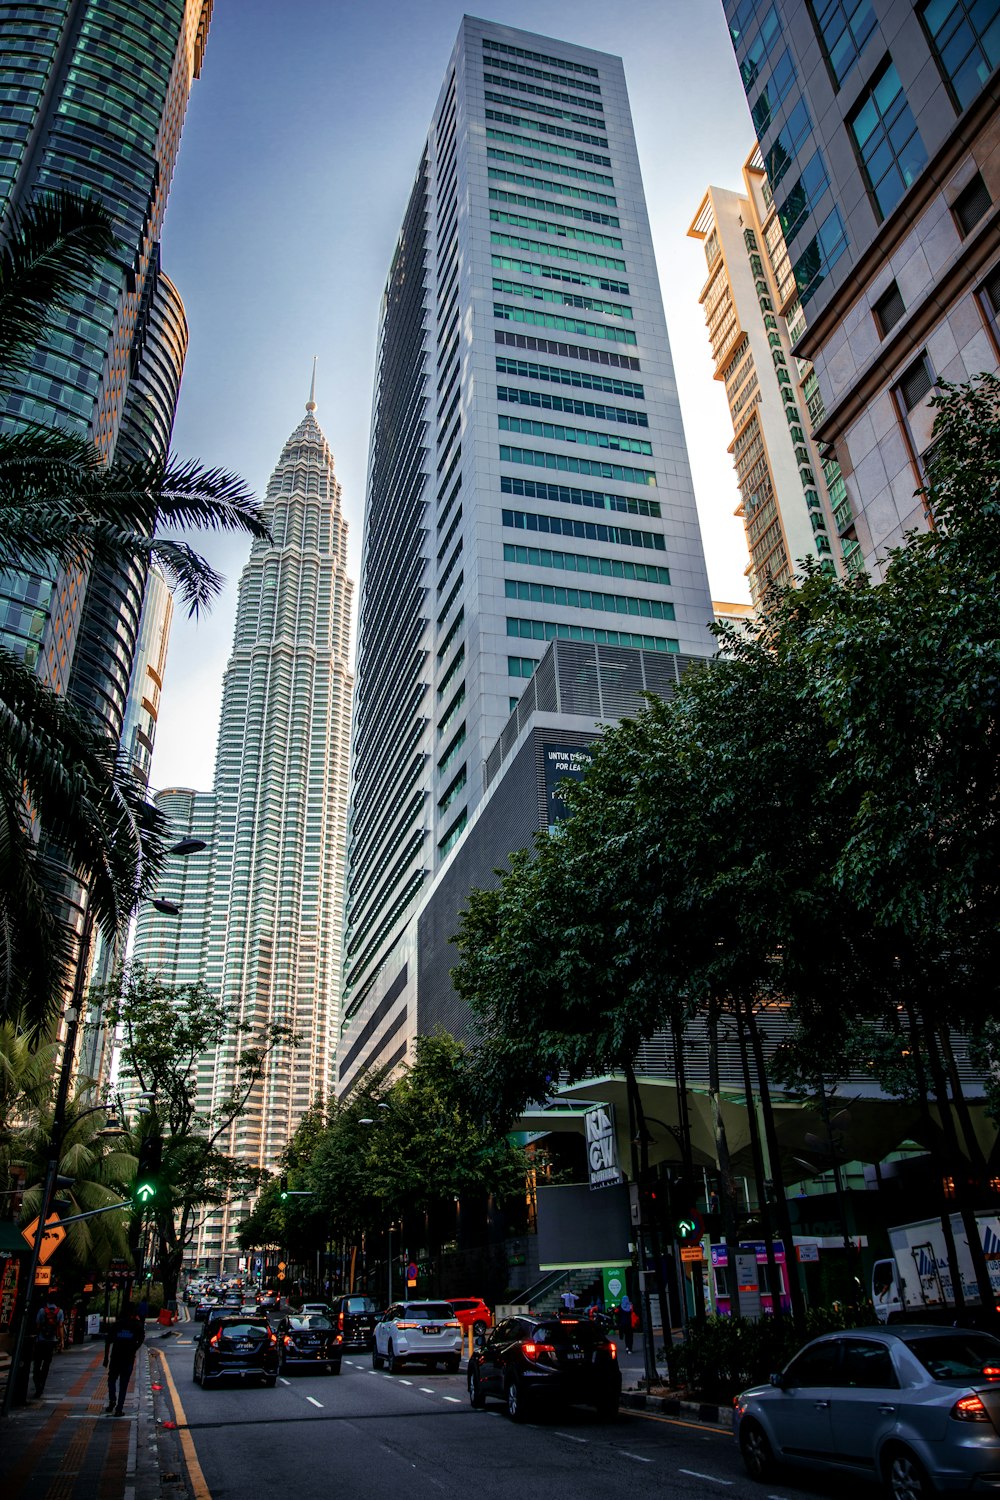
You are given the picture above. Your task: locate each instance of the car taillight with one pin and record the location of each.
(991, 1372)
(407, 1325)
(339, 1339)
(272, 1337)
(536, 1351)
(340, 1321)
(455, 1324)
(970, 1409)
(612, 1349)
(216, 1339)
(288, 1338)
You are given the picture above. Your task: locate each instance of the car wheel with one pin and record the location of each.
(479, 1328)
(270, 1381)
(515, 1400)
(453, 1365)
(377, 1360)
(477, 1396)
(198, 1379)
(333, 1369)
(905, 1476)
(393, 1363)
(756, 1450)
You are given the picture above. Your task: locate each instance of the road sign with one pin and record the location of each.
(43, 1276)
(52, 1237)
(691, 1253)
(281, 1265)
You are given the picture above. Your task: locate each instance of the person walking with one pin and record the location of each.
(569, 1299)
(48, 1334)
(625, 1321)
(120, 1349)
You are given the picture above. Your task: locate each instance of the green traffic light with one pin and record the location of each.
(686, 1227)
(145, 1192)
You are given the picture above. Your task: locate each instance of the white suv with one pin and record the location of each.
(426, 1333)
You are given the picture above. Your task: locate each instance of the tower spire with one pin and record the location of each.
(311, 403)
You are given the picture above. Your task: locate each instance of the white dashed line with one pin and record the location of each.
(427, 1390)
(713, 1477)
(283, 1380)
(570, 1438)
(640, 1460)
(315, 1402)
(456, 1399)
(406, 1382)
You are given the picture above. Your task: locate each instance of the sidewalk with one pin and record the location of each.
(64, 1447)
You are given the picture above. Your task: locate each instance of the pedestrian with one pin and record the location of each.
(48, 1334)
(625, 1327)
(120, 1349)
(569, 1299)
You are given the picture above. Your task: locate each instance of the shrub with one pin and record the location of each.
(722, 1356)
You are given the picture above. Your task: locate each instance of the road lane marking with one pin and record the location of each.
(405, 1382)
(199, 1488)
(701, 1427)
(283, 1380)
(315, 1402)
(713, 1477)
(458, 1399)
(640, 1460)
(570, 1438)
(427, 1390)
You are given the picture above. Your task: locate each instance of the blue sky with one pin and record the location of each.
(299, 150)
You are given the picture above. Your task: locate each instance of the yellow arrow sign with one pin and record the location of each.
(52, 1237)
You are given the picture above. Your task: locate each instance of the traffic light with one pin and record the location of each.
(688, 1226)
(283, 1189)
(147, 1177)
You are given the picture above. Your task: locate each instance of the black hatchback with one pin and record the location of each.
(309, 1339)
(354, 1318)
(246, 1347)
(527, 1362)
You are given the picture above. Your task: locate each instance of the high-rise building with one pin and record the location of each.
(789, 495)
(528, 476)
(261, 908)
(877, 122)
(92, 97)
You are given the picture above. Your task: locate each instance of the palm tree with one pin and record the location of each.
(62, 507)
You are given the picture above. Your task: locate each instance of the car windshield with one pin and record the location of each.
(957, 1356)
(568, 1332)
(432, 1311)
(242, 1328)
(311, 1320)
(359, 1305)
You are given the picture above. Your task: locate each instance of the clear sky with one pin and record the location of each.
(301, 143)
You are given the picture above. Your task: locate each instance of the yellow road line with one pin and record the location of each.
(705, 1427)
(199, 1488)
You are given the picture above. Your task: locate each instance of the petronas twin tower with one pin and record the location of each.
(261, 910)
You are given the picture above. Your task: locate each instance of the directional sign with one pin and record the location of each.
(145, 1193)
(52, 1237)
(43, 1276)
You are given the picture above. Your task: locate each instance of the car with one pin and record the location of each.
(268, 1298)
(424, 1333)
(473, 1313)
(233, 1299)
(308, 1339)
(230, 1344)
(322, 1309)
(916, 1406)
(527, 1362)
(204, 1307)
(355, 1318)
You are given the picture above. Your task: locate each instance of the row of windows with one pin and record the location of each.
(561, 299)
(510, 314)
(542, 205)
(454, 833)
(572, 152)
(538, 91)
(580, 562)
(521, 666)
(550, 110)
(616, 442)
(583, 379)
(528, 341)
(564, 231)
(540, 57)
(611, 604)
(495, 153)
(576, 83)
(550, 630)
(845, 26)
(567, 465)
(803, 197)
(559, 131)
(555, 273)
(966, 37)
(591, 531)
(536, 489)
(560, 252)
(540, 185)
(547, 402)
(887, 138)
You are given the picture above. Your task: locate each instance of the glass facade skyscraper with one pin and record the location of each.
(528, 476)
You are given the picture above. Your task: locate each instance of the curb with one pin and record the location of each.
(673, 1406)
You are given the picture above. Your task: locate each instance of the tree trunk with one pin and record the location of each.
(727, 1184)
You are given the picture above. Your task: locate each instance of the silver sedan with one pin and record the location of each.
(917, 1407)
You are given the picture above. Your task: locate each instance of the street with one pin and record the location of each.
(366, 1433)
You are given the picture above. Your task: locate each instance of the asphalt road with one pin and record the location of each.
(365, 1434)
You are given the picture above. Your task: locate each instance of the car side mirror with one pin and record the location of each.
(779, 1380)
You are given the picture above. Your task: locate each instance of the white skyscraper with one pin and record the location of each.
(528, 475)
(261, 908)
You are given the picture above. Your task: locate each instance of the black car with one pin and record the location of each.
(354, 1318)
(309, 1339)
(236, 1345)
(528, 1361)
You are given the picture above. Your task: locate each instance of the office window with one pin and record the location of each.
(774, 92)
(888, 140)
(844, 27)
(888, 309)
(803, 197)
(965, 36)
(972, 203)
(779, 156)
(756, 53)
(915, 383)
(822, 252)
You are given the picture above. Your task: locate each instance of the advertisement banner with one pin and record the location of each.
(602, 1147)
(562, 761)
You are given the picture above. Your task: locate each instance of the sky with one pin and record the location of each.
(302, 139)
